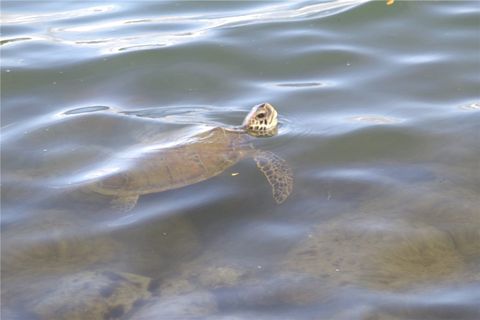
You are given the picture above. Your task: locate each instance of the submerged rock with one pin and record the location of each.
(52, 241)
(91, 295)
(194, 305)
(384, 254)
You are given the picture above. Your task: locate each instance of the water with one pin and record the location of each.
(379, 112)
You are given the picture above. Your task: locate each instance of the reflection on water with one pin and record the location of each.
(157, 31)
(378, 120)
(471, 106)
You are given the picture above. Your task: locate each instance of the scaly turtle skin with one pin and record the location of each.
(206, 155)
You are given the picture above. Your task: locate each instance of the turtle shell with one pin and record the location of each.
(206, 155)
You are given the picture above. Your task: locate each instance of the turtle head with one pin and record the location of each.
(261, 121)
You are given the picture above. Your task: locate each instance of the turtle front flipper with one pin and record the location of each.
(124, 203)
(277, 172)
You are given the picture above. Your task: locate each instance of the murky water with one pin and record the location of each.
(379, 120)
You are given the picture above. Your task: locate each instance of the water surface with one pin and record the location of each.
(379, 120)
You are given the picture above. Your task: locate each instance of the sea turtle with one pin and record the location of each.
(204, 156)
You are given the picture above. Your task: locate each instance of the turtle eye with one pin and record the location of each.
(261, 116)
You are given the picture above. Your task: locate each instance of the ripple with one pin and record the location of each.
(301, 84)
(125, 38)
(86, 110)
(421, 58)
(374, 119)
(475, 106)
(15, 19)
(5, 41)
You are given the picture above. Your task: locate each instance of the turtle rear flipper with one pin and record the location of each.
(124, 204)
(277, 172)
